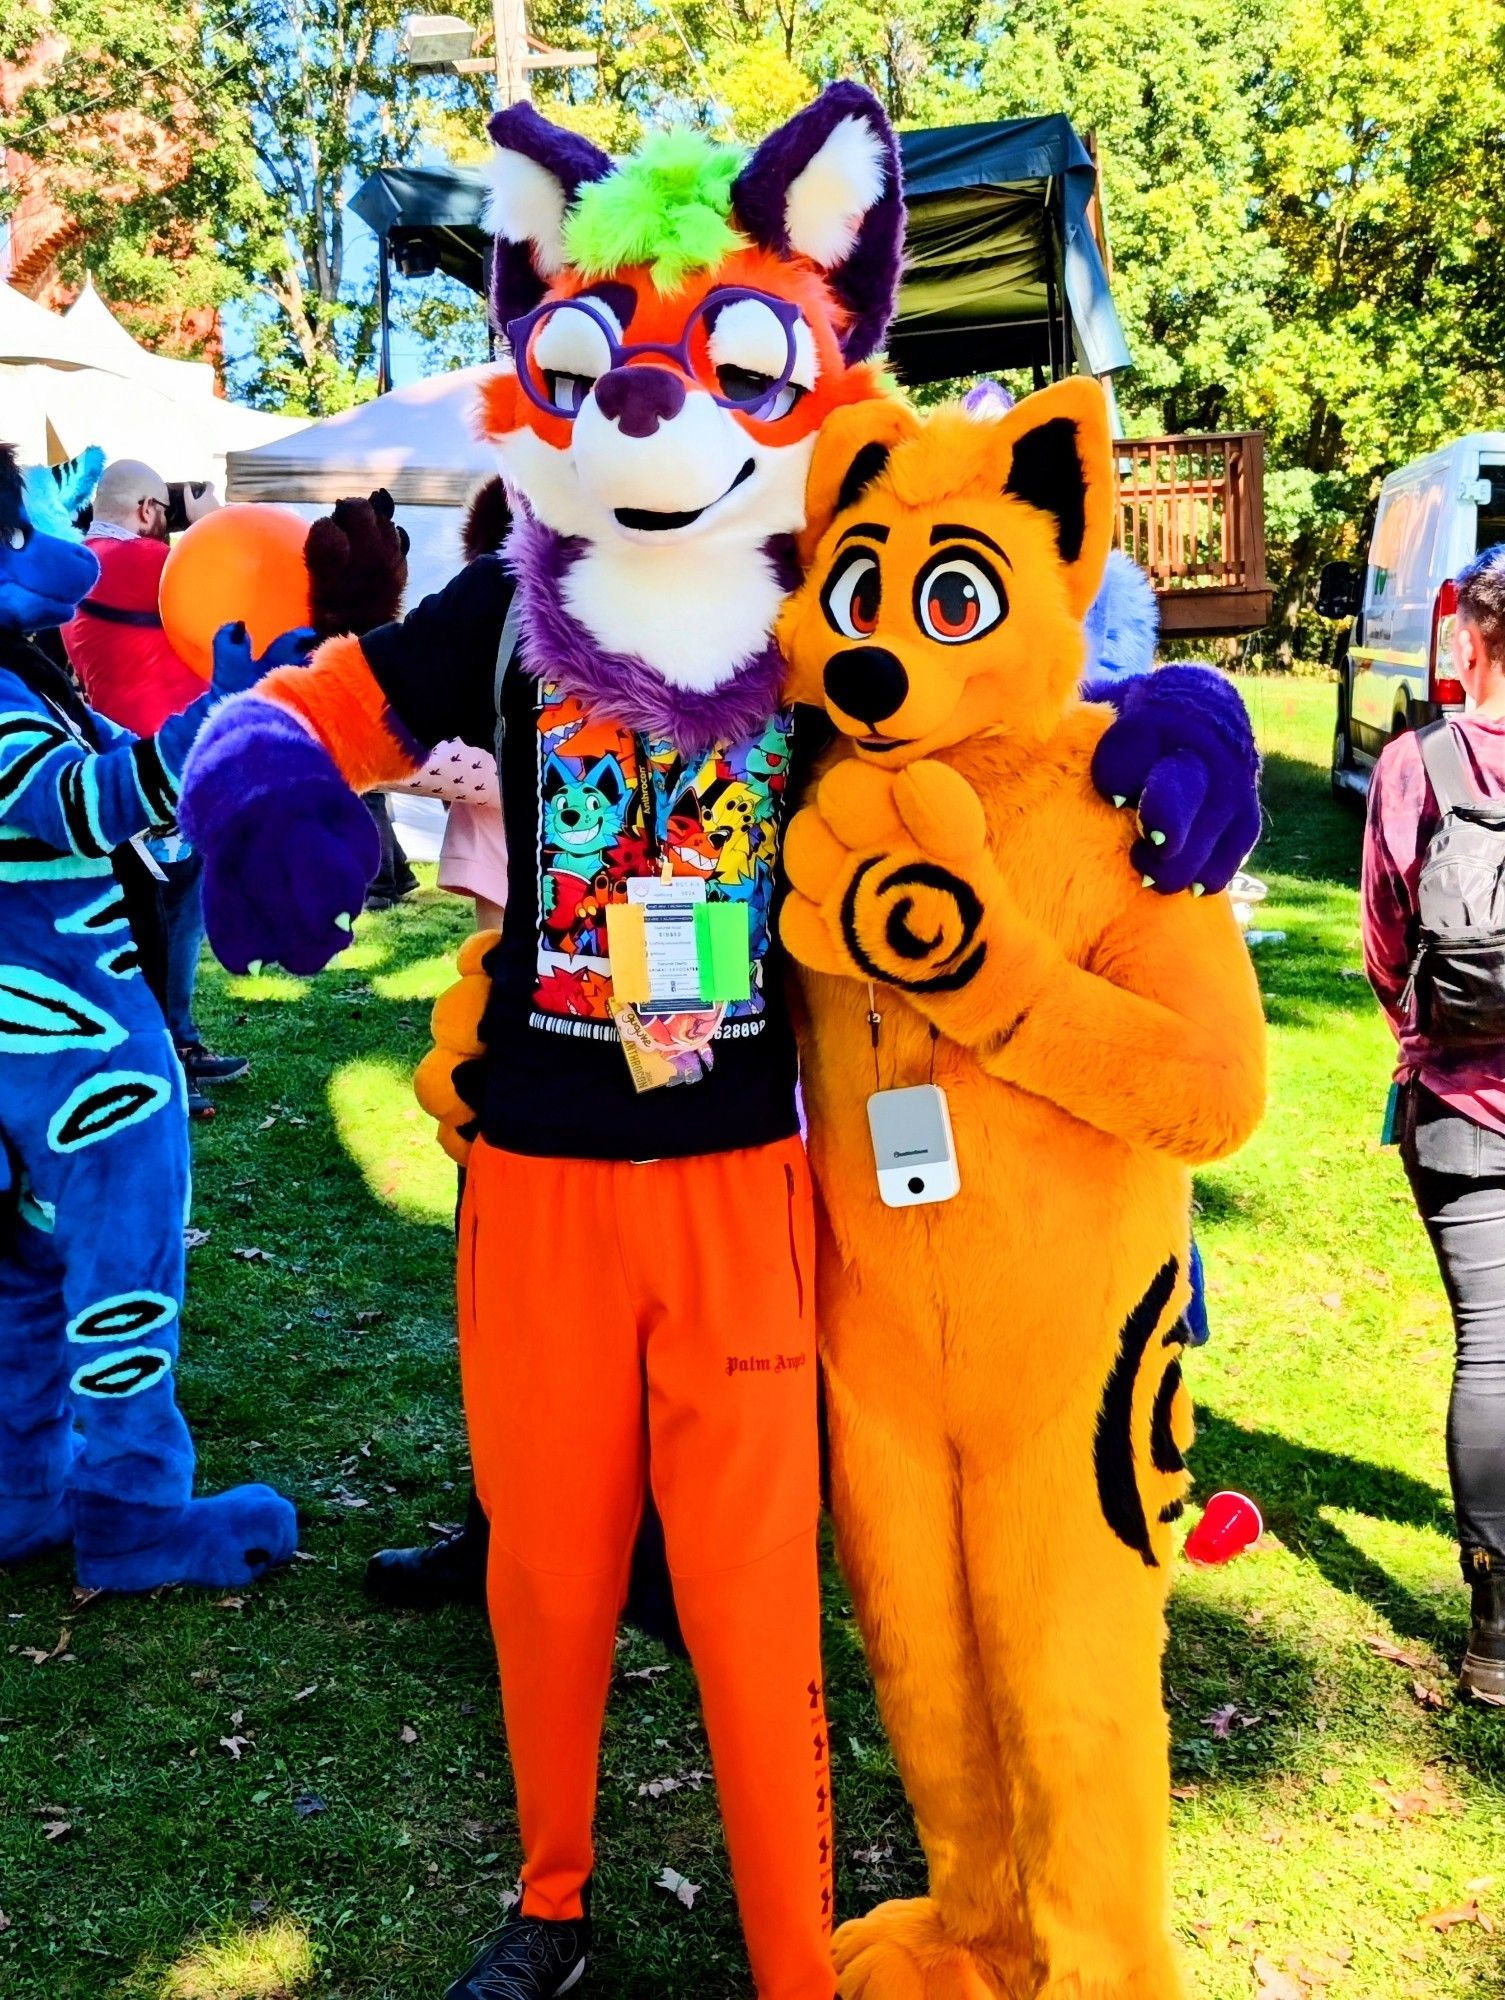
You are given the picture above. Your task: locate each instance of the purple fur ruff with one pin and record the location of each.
(620, 689)
(516, 286)
(866, 282)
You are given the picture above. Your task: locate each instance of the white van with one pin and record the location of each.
(1394, 672)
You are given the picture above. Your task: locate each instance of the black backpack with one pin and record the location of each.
(1457, 986)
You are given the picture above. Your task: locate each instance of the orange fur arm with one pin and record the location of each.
(1160, 1041)
(337, 699)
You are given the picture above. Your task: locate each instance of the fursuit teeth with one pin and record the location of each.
(559, 650)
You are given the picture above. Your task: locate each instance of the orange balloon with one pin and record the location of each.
(243, 561)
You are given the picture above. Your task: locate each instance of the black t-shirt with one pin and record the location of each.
(586, 806)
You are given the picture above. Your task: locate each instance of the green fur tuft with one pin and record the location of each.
(668, 206)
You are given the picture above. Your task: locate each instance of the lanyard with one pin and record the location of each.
(648, 805)
(875, 1029)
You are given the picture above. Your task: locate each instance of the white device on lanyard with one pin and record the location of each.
(912, 1146)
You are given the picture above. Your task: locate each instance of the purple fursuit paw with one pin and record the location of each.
(288, 848)
(1182, 753)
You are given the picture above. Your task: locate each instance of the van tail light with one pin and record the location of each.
(1442, 690)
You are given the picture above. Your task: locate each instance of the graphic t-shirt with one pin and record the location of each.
(589, 805)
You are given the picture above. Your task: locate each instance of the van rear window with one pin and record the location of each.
(1492, 511)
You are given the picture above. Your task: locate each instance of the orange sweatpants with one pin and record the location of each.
(620, 1323)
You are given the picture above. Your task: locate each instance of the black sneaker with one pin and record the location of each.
(530, 1958)
(199, 1107)
(1483, 1674)
(449, 1571)
(205, 1067)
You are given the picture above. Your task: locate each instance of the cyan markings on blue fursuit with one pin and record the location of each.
(122, 1375)
(123, 1317)
(39, 1016)
(25, 740)
(105, 913)
(121, 962)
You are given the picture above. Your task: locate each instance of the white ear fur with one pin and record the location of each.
(525, 204)
(826, 203)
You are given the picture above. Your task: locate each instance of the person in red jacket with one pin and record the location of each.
(131, 674)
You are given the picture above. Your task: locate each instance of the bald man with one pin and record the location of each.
(131, 674)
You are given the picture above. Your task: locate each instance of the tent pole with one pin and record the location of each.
(384, 314)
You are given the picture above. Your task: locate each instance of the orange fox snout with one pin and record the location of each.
(951, 561)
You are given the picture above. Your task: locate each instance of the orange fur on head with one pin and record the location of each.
(878, 633)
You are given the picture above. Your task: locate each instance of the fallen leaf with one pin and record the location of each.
(235, 1744)
(1479, 1884)
(36, 1655)
(683, 1781)
(1460, 1913)
(58, 1829)
(4, 1921)
(1332, 1777)
(1183, 1792)
(1408, 1805)
(1221, 1721)
(195, 1239)
(304, 1693)
(1428, 1696)
(407, 1733)
(248, 1253)
(368, 1318)
(645, 1673)
(1396, 1655)
(1275, 1984)
(686, 1891)
(873, 1857)
(230, 1604)
(1333, 1301)
(307, 1804)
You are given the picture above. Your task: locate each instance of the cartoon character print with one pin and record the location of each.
(716, 817)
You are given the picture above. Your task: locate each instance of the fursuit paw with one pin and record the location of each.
(288, 848)
(455, 1025)
(1159, 1979)
(218, 1543)
(1182, 752)
(885, 870)
(902, 1951)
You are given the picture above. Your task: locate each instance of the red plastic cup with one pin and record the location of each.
(1230, 1524)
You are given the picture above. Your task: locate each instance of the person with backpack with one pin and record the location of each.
(1433, 903)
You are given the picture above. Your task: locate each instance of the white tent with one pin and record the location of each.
(72, 380)
(418, 441)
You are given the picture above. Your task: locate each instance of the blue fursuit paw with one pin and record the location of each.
(214, 1544)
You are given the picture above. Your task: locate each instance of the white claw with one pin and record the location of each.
(1158, 839)
(1119, 799)
(344, 921)
(1199, 888)
(1146, 881)
(253, 967)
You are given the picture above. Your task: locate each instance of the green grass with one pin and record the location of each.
(365, 1835)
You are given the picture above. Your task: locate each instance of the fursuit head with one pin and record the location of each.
(681, 323)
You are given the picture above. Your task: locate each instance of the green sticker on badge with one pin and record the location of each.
(723, 948)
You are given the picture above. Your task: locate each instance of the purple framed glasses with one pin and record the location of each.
(563, 347)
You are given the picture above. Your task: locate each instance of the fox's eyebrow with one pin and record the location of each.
(871, 530)
(949, 531)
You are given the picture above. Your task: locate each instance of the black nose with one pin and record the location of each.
(866, 682)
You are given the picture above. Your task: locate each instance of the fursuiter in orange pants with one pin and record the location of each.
(1008, 1420)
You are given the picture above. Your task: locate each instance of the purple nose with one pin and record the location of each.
(638, 400)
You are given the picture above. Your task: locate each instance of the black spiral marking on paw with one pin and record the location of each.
(1113, 1445)
(961, 963)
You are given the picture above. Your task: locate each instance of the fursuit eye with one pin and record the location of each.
(853, 596)
(755, 392)
(958, 598)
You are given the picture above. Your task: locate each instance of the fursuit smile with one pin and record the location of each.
(644, 520)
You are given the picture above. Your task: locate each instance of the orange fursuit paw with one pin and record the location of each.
(902, 1951)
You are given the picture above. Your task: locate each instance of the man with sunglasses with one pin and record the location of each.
(131, 674)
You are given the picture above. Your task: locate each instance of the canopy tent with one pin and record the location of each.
(1002, 264)
(418, 441)
(78, 378)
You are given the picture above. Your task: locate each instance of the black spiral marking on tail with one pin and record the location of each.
(961, 963)
(1113, 1445)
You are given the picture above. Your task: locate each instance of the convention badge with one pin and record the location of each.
(663, 1049)
(667, 910)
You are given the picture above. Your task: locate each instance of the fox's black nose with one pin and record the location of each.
(866, 682)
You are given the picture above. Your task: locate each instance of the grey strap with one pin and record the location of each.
(1451, 785)
(506, 653)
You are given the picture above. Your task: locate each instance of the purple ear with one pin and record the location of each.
(536, 171)
(828, 186)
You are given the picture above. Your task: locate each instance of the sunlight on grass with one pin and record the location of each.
(424, 980)
(254, 986)
(390, 1139)
(275, 1963)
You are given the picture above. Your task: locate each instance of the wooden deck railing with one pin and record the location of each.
(1191, 512)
